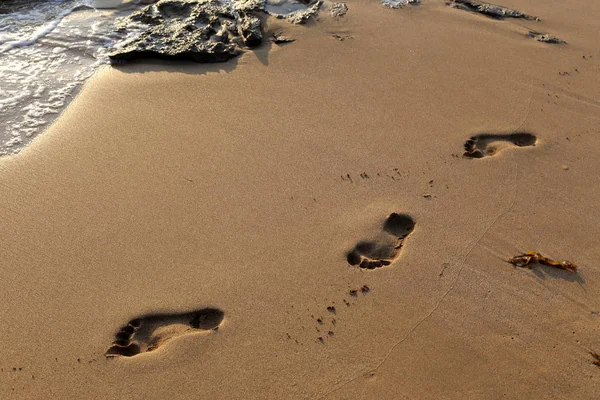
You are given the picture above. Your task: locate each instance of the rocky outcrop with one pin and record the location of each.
(177, 41)
(490, 10)
(202, 30)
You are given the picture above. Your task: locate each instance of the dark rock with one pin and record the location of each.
(201, 31)
(205, 30)
(82, 7)
(279, 38)
(176, 41)
(250, 30)
(249, 25)
(545, 38)
(490, 10)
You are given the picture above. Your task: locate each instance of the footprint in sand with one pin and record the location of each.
(385, 248)
(149, 332)
(488, 144)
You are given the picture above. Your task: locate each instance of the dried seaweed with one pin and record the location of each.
(530, 258)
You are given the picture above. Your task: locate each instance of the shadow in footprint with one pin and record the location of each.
(488, 144)
(384, 250)
(149, 332)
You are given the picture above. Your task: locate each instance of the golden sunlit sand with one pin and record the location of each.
(168, 189)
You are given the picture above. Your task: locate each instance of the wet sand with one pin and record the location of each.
(169, 188)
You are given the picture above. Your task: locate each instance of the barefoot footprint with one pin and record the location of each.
(488, 144)
(386, 247)
(149, 332)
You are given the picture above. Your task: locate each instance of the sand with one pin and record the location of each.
(166, 189)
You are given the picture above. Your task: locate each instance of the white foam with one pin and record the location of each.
(47, 52)
(106, 3)
(39, 33)
(285, 7)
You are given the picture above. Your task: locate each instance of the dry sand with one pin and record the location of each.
(171, 188)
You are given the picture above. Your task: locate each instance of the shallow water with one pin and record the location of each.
(286, 7)
(48, 49)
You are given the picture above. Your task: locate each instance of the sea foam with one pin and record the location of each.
(48, 49)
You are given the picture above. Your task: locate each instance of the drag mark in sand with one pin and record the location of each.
(486, 144)
(341, 36)
(385, 249)
(149, 332)
(451, 288)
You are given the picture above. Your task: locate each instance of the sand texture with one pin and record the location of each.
(212, 220)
